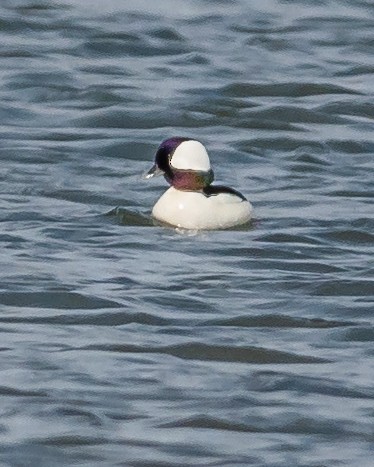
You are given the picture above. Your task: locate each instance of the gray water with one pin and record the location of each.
(127, 343)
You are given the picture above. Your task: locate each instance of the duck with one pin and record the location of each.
(192, 202)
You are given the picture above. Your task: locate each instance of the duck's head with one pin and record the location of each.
(184, 163)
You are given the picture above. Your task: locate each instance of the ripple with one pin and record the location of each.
(206, 352)
(354, 236)
(363, 109)
(73, 441)
(270, 381)
(295, 114)
(80, 196)
(359, 288)
(361, 334)
(97, 319)
(189, 58)
(167, 34)
(130, 45)
(356, 70)
(14, 392)
(131, 218)
(284, 89)
(56, 300)
(278, 321)
(212, 423)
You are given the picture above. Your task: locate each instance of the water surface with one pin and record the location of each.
(128, 343)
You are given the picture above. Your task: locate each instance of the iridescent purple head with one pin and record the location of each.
(184, 163)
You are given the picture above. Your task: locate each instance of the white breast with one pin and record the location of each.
(194, 210)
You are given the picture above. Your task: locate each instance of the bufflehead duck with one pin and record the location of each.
(192, 202)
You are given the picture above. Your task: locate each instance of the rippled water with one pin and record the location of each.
(127, 343)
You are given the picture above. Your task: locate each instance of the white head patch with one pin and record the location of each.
(190, 155)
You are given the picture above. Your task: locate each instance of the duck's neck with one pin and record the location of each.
(191, 180)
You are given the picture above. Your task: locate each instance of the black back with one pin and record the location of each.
(214, 190)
